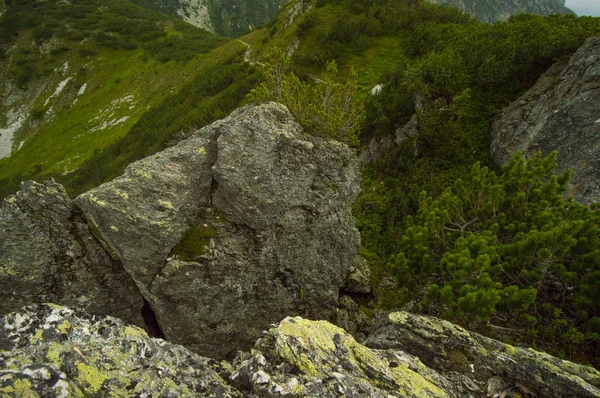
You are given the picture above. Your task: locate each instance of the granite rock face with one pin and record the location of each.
(52, 351)
(491, 11)
(48, 254)
(479, 366)
(561, 112)
(240, 225)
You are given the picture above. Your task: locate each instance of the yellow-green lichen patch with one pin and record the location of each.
(429, 326)
(8, 271)
(140, 173)
(90, 378)
(20, 388)
(54, 354)
(64, 326)
(123, 195)
(400, 377)
(398, 317)
(166, 204)
(11, 200)
(37, 337)
(321, 339)
(116, 229)
(202, 151)
(134, 332)
(54, 306)
(511, 350)
(95, 200)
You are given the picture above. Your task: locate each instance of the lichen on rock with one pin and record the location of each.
(96, 356)
(302, 358)
(480, 365)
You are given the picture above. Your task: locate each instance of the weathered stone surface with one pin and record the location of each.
(54, 351)
(482, 366)
(269, 208)
(561, 112)
(58, 352)
(301, 358)
(47, 253)
(142, 215)
(491, 11)
(352, 318)
(359, 278)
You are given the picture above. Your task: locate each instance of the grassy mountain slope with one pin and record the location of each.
(79, 77)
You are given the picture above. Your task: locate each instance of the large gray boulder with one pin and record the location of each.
(481, 366)
(240, 225)
(48, 254)
(561, 112)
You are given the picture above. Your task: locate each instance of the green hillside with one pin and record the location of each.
(82, 76)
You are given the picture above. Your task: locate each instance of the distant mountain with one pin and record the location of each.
(226, 17)
(491, 11)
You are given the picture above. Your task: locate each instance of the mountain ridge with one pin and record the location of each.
(491, 11)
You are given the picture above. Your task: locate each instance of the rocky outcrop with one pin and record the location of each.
(302, 358)
(561, 112)
(480, 366)
(48, 254)
(54, 351)
(491, 11)
(242, 224)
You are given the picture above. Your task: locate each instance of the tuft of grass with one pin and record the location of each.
(195, 242)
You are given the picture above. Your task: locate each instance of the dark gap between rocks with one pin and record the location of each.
(150, 321)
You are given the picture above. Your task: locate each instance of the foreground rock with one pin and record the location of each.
(58, 352)
(302, 358)
(47, 253)
(561, 112)
(242, 224)
(480, 365)
(53, 351)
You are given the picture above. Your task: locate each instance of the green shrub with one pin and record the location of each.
(497, 248)
(42, 33)
(325, 108)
